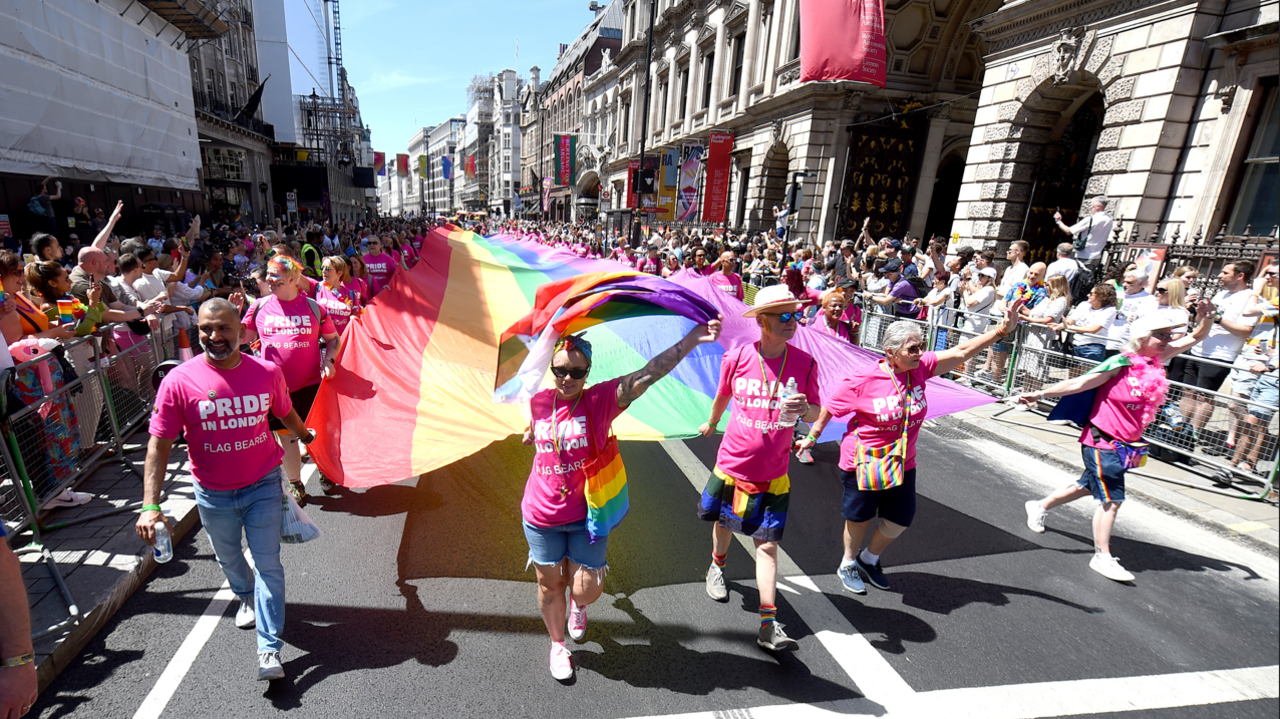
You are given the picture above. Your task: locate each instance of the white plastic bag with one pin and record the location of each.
(295, 526)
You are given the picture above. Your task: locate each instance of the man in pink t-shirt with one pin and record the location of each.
(221, 401)
(380, 266)
(726, 280)
(749, 489)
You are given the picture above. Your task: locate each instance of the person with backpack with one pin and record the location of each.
(903, 291)
(1079, 275)
(289, 327)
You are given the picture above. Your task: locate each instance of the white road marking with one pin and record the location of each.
(888, 694)
(154, 705)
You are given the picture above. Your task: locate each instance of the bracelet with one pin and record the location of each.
(311, 437)
(18, 661)
(811, 438)
(151, 508)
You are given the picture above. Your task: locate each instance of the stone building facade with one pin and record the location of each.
(1163, 107)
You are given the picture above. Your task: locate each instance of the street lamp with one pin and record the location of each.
(644, 122)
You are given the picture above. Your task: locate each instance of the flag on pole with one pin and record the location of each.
(380, 163)
(842, 40)
(470, 167)
(402, 165)
(566, 159)
(446, 167)
(424, 167)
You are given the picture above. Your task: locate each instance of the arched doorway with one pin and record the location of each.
(773, 184)
(1060, 183)
(946, 193)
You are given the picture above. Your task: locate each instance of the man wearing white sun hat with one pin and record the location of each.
(749, 489)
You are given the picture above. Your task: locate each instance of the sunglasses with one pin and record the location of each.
(1162, 290)
(572, 372)
(1166, 336)
(786, 316)
(913, 349)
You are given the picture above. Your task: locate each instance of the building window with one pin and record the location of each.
(1255, 206)
(208, 83)
(683, 79)
(662, 106)
(235, 103)
(762, 54)
(794, 51)
(708, 70)
(739, 52)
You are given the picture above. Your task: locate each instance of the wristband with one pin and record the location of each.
(311, 437)
(811, 438)
(151, 508)
(18, 661)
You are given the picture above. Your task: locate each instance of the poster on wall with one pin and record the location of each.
(1149, 259)
(687, 184)
(715, 203)
(843, 40)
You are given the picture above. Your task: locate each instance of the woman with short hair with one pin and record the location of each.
(878, 451)
(1088, 319)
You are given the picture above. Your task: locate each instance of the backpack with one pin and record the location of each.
(35, 206)
(1081, 284)
(920, 284)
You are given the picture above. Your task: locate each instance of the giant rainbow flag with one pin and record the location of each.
(415, 383)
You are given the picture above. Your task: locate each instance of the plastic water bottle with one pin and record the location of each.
(1173, 418)
(164, 542)
(788, 419)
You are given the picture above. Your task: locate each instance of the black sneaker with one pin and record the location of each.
(328, 486)
(872, 573)
(297, 491)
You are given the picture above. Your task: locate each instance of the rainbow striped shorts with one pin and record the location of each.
(761, 516)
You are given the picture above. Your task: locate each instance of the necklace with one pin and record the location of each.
(764, 379)
(556, 438)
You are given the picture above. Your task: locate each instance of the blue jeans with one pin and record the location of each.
(1090, 352)
(255, 509)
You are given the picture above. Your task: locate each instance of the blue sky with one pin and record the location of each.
(410, 61)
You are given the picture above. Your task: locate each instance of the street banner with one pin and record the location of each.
(446, 167)
(670, 167)
(842, 40)
(401, 408)
(424, 167)
(632, 166)
(566, 159)
(380, 163)
(470, 167)
(402, 165)
(687, 186)
(715, 200)
(546, 194)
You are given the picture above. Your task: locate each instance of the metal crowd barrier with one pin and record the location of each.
(1035, 360)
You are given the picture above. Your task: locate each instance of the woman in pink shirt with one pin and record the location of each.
(359, 278)
(338, 294)
(567, 424)
(380, 266)
(290, 327)
(878, 451)
(1131, 387)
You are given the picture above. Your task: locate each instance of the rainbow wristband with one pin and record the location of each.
(151, 508)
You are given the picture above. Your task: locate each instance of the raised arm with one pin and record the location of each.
(631, 386)
(100, 242)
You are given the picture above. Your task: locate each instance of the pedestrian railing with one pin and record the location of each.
(1201, 429)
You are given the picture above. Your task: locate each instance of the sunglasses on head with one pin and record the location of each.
(571, 372)
(787, 316)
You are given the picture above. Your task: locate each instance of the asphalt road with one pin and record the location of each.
(416, 602)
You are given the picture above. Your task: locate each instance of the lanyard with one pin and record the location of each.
(555, 423)
(904, 394)
(764, 377)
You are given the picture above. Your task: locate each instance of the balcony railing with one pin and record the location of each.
(251, 73)
(222, 109)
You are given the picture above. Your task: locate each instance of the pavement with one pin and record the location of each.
(416, 602)
(1175, 488)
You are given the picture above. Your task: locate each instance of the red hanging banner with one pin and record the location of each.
(842, 40)
(402, 165)
(632, 167)
(715, 201)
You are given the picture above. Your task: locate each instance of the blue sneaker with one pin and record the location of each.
(851, 579)
(873, 574)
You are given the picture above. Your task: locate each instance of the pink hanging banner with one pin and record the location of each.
(842, 40)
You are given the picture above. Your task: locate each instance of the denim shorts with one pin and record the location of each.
(548, 546)
(1000, 347)
(1103, 474)
(1093, 353)
(1265, 395)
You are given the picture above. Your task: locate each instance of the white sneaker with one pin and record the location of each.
(68, 498)
(1109, 567)
(269, 666)
(1035, 516)
(577, 621)
(805, 456)
(715, 584)
(245, 618)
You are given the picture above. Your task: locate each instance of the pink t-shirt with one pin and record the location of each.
(381, 269)
(341, 305)
(410, 257)
(820, 325)
(875, 399)
(359, 289)
(755, 450)
(290, 337)
(649, 266)
(1118, 408)
(223, 414)
(554, 494)
(730, 284)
